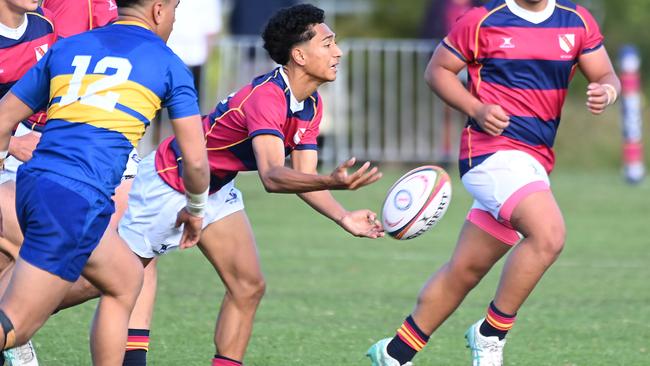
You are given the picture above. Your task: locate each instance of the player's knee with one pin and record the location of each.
(249, 291)
(549, 241)
(467, 274)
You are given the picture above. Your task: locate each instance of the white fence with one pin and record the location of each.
(379, 108)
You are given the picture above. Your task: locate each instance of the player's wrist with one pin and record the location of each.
(611, 92)
(196, 203)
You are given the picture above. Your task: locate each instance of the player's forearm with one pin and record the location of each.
(281, 179)
(325, 204)
(449, 88)
(196, 175)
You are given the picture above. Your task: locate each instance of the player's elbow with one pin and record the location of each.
(270, 186)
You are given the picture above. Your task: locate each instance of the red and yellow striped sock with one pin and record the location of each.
(497, 323)
(137, 345)
(408, 341)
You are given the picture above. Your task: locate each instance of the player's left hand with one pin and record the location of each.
(598, 98)
(362, 223)
(192, 226)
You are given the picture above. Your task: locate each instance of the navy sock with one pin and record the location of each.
(497, 323)
(408, 341)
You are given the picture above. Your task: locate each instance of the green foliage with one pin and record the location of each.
(330, 296)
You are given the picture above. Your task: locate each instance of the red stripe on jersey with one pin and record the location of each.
(543, 104)
(557, 44)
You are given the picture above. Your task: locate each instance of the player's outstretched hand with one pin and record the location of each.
(598, 98)
(362, 223)
(362, 177)
(492, 119)
(191, 228)
(21, 147)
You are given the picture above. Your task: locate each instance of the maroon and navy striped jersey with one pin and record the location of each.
(76, 16)
(22, 50)
(522, 61)
(264, 107)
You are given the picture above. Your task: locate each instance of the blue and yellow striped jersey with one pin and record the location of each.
(101, 89)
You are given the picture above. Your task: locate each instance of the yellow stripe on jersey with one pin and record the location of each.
(131, 127)
(136, 106)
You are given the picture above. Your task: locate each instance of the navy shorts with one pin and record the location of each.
(62, 220)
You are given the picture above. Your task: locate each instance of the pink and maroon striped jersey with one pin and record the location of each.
(522, 61)
(21, 50)
(76, 16)
(264, 107)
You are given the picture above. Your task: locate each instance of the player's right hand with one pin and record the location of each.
(362, 177)
(22, 147)
(192, 226)
(492, 119)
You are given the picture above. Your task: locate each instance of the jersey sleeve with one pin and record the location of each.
(265, 111)
(181, 100)
(593, 36)
(33, 88)
(309, 139)
(461, 40)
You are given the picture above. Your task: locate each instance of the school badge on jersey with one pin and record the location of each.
(40, 51)
(567, 41)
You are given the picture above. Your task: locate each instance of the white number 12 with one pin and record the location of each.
(91, 97)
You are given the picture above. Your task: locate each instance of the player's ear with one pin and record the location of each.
(298, 56)
(158, 12)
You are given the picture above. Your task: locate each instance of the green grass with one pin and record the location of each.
(330, 296)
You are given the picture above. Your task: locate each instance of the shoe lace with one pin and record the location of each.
(491, 350)
(25, 353)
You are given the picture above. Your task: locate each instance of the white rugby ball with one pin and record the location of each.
(416, 202)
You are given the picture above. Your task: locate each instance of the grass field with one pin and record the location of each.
(330, 296)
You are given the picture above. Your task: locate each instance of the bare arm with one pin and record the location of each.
(359, 223)
(604, 86)
(196, 177)
(441, 76)
(276, 178)
(12, 111)
(191, 140)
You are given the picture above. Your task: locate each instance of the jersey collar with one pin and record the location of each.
(534, 17)
(14, 33)
(294, 104)
(133, 22)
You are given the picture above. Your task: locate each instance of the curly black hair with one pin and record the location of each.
(289, 27)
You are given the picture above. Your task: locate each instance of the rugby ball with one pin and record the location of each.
(416, 202)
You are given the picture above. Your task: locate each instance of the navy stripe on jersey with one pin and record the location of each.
(464, 164)
(244, 152)
(37, 27)
(590, 50)
(267, 132)
(529, 130)
(527, 74)
(306, 147)
(559, 19)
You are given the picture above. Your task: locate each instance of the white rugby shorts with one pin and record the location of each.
(498, 185)
(148, 223)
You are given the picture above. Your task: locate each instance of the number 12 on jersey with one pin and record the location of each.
(92, 96)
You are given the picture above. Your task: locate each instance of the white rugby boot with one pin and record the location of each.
(379, 355)
(486, 351)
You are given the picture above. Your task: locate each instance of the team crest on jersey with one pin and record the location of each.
(567, 41)
(111, 5)
(298, 136)
(507, 43)
(40, 51)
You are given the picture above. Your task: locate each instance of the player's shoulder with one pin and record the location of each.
(40, 19)
(580, 13)
(270, 85)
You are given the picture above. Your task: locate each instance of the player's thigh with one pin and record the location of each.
(538, 214)
(120, 198)
(229, 244)
(476, 249)
(33, 294)
(113, 268)
(9, 227)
